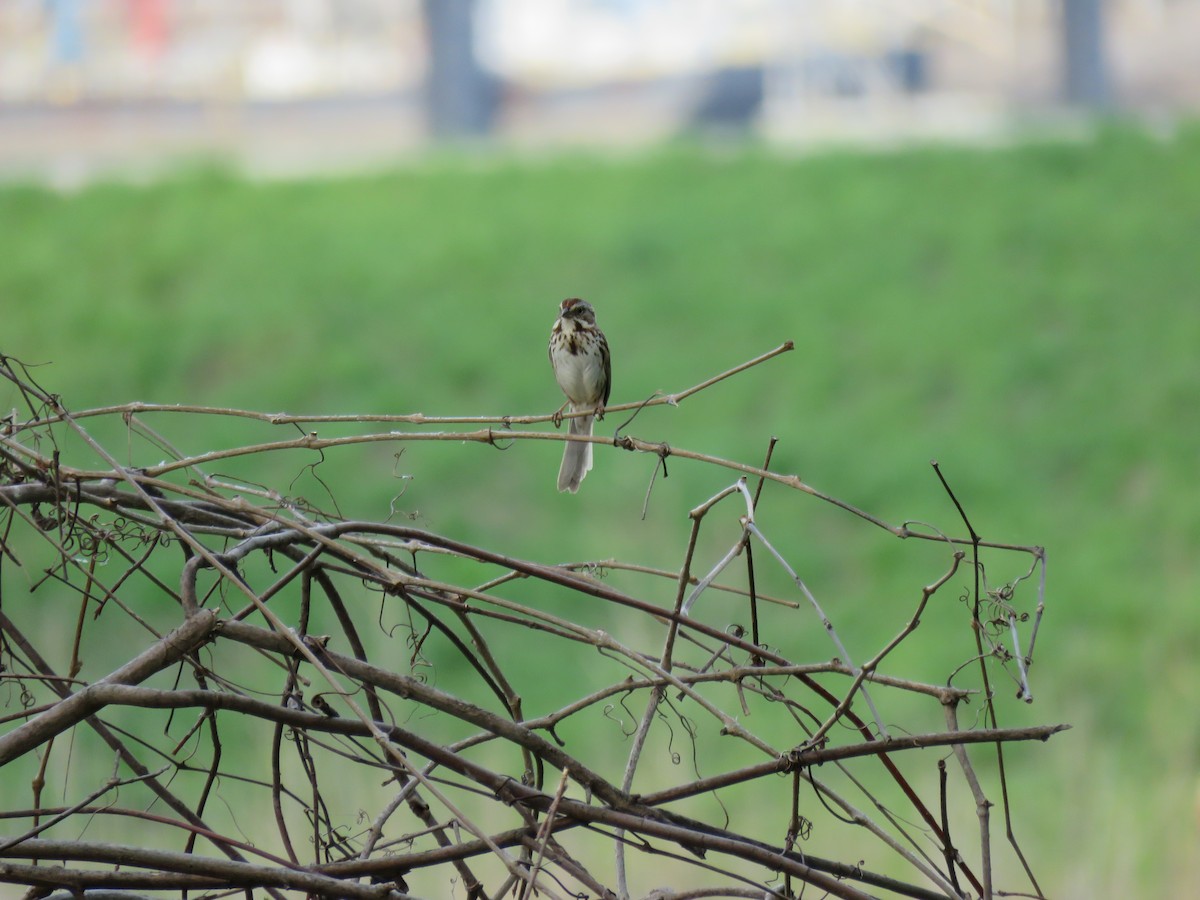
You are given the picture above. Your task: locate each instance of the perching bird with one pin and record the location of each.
(583, 369)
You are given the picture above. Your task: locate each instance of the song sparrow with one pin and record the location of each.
(579, 354)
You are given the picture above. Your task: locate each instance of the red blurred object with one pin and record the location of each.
(148, 27)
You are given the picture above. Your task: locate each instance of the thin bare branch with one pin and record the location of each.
(365, 703)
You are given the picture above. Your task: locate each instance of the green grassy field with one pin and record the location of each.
(1030, 317)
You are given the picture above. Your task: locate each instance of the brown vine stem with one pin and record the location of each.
(153, 697)
(871, 665)
(732, 725)
(219, 565)
(83, 703)
(982, 804)
(218, 872)
(624, 812)
(135, 408)
(429, 644)
(312, 442)
(825, 621)
(60, 815)
(546, 830)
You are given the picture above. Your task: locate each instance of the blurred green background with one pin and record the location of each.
(1029, 316)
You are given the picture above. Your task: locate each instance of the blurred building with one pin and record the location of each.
(294, 80)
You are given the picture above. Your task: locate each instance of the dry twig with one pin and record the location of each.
(253, 695)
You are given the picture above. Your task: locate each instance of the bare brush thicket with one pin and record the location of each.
(212, 688)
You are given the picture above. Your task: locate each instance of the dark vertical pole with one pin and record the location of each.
(1085, 72)
(459, 95)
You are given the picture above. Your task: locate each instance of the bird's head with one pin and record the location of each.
(577, 310)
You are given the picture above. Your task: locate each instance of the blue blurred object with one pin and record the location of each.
(1085, 72)
(66, 33)
(731, 99)
(910, 70)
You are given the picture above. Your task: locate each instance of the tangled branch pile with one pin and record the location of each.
(211, 688)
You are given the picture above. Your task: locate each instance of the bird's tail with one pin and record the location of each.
(577, 455)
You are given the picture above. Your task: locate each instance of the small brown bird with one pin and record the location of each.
(583, 369)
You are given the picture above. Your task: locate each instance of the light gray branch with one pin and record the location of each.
(78, 706)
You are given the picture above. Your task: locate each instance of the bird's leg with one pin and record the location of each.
(557, 417)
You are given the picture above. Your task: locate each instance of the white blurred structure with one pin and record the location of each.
(270, 78)
(64, 51)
